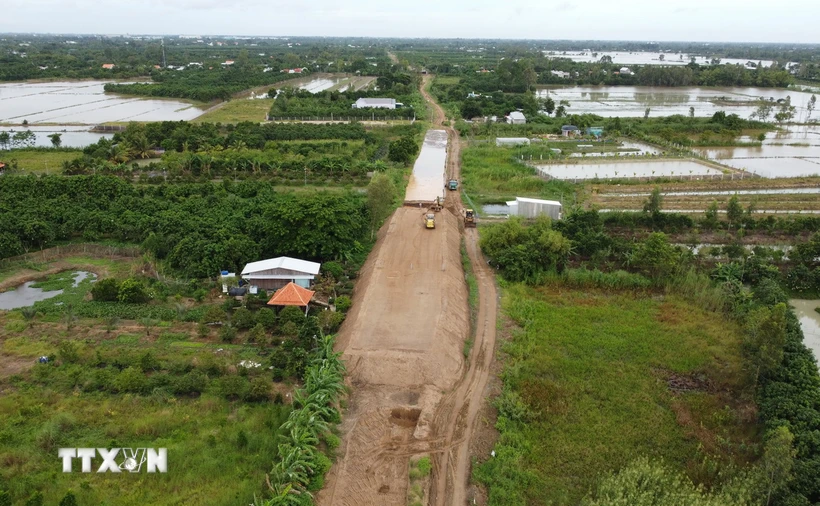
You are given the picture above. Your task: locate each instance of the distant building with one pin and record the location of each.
(516, 118)
(274, 273)
(227, 62)
(531, 208)
(108, 66)
(625, 71)
(569, 130)
(376, 103)
(511, 141)
(558, 73)
(297, 70)
(596, 131)
(473, 94)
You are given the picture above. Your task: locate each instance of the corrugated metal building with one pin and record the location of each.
(531, 208)
(517, 118)
(511, 141)
(275, 273)
(381, 103)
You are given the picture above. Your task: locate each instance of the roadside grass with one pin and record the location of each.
(237, 110)
(419, 480)
(587, 389)
(472, 297)
(41, 162)
(446, 80)
(490, 174)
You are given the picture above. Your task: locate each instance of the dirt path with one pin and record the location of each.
(413, 392)
(457, 415)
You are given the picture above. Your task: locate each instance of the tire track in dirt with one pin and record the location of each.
(457, 415)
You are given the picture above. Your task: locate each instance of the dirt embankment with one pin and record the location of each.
(413, 393)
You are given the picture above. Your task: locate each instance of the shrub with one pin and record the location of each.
(199, 295)
(329, 321)
(131, 380)
(233, 387)
(259, 389)
(242, 319)
(289, 329)
(227, 333)
(267, 318)
(335, 269)
(292, 314)
(68, 351)
(214, 314)
(132, 291)
(343, 303)
(106, 290)
(257, 334)
(68, 499)
(202, 330)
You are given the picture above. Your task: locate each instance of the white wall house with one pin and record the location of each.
(516, 118)
(274, 273)
(530, 208)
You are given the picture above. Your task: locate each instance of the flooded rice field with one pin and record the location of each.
(715, 193)
(25, 295)
(809, 322)
(70, 136)
(85, 103)
(647, 58)
(639, 169)
(427, 181)
(632, 101)
(791, 152)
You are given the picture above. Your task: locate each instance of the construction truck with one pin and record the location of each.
(430, 220)
(469, 218)
(436, 207)
(452, 185)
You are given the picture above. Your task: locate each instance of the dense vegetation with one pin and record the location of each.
(398, 85)
(762, 352)
(199, 229)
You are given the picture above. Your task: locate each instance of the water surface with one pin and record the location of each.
(25, 295)
(809, 322)
(643, 169)
(427, 181)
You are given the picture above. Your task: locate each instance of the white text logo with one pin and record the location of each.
(116, 460)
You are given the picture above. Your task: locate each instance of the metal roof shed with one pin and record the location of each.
(531, 208)
(511, 141)
(275, 273)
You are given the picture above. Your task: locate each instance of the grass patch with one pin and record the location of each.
(491, 174)
(43, 162)
(447, 80)
(419, 472)
(237, 110)
(589, 386)
(472, 296)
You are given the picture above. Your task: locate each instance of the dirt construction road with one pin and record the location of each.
(413, 393)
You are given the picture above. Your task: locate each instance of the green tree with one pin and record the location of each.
(56, 139)
(778, 461)
(655, 256)
(734, 211)
(106, 290)
(267, 318)
(132, 291)
(242, 319)
(68, 499)
(214, 314)
(765, 338)
(35, 499)
(653, 203)
(292, 314)
(403, 150)
(710, 217)
(381, 193)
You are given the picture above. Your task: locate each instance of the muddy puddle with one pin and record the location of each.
(427, 181)
(809, 322)
(644, 169)
(25, 295)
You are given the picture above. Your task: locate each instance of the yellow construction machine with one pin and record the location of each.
(430, 220)
(469, 218)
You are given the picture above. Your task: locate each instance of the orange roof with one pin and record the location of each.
(291, 295)
(108, 66)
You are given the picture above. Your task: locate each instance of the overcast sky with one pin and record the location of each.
(652, 20)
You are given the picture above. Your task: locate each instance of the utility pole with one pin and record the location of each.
(163, 52)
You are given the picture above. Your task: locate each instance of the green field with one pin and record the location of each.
(593, 381)
(491, 174)
(238, 110)
(50, 162)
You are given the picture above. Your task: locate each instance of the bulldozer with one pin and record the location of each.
(469, 218)
(430, 220)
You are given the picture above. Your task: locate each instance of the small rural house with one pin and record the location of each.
(512, 141)
(275, 273)
(292, 295)
(531, 208)
(626, 71)
(516, 118)
(381, 103)
(569, 130)
(108, 66)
